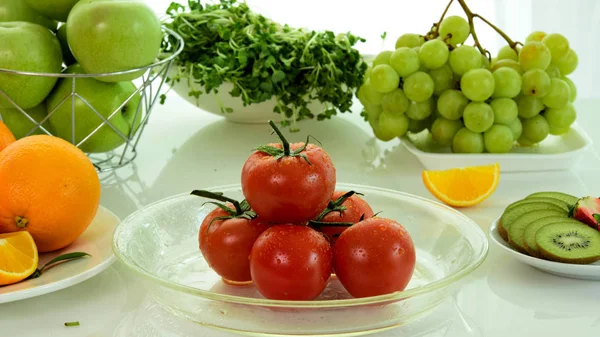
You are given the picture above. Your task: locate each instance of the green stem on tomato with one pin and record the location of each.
(219, 196)
(336, 205)
(284, 142)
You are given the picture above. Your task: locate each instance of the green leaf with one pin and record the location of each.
(62, 258)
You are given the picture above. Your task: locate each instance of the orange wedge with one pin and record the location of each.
(463, 187)
(18, 257)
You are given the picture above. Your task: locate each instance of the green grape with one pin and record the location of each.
(373, 113)
(478, 116)
(507, 83)
(443, 130)
(451, 104)
(409, 40)
(360, 94)
(516, 127)
(464, 58)
(368, 72)
(395, 102)
(455, 30)
(443, 79)
(384, 78)
(572, 87)
(561, 118)
(535, 129)
(506, 63)
(523, 141)
(396, 125)
(557, 44)
(485, 62)
(478, 84)
(534, 55)
(467, 141)
(559, 131)
(553, 71)
(529, 106)
(537, 36)
(559, 94)
(505, 110)
(422, 66)
(498, 139)
(434, 54)
(568, 63)
(372, 96)
(535, 83)
(419, 86)
(382, 58)
(405, 61)
(507, 52)
(416, 126)
(421, 110)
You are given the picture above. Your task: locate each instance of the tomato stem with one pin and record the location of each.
(219, 196)
(284, 142)
(336, 205)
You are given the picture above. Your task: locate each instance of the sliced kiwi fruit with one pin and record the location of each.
(569, 199)
(529, 234)
(517, 228)
(518, 208)
(569, 242)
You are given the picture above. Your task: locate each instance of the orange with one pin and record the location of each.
(18, 257)
(6, 137)
(49, 188)
(463, 187)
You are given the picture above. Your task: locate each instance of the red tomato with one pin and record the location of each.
(288, 183)
(226, 244)
(290, 262)
(374, 257)
(343, 208)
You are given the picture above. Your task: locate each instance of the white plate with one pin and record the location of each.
(554, 153)
(96, 241)
(578, 271)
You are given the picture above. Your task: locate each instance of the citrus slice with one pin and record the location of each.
(463, 187)
(18, 257)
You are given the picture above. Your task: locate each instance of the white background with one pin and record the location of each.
(576, 19)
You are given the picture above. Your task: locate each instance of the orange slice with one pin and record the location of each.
(18, 257)
(463, 187)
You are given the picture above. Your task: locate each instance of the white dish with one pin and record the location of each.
(96, 241)
(554, 153)
(578, 271)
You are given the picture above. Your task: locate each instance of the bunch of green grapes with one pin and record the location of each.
(466, 101)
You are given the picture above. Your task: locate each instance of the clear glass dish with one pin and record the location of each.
(160, 243)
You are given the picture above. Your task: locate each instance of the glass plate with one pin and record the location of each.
(159, 243)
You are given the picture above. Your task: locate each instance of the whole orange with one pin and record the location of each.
(6, 137)
(49, 188)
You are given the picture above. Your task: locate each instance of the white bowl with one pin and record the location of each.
(252, 113)
(577, 271)
(554, 153)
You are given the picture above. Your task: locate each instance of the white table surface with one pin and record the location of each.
(184, 148)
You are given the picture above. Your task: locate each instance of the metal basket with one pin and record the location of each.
(148, 86)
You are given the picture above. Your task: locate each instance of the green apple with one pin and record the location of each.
(29, 47)
(19, 10)
(54, 9)
(64, 45)
(106, 98)
(21, 126)
(113, 35)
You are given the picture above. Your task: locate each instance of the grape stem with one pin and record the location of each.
(471, 16)
(435, 30)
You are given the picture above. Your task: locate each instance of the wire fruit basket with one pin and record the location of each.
(148, 88)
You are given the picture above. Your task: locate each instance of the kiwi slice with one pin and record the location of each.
(529, 234)
(517, 228)
(569, 199)
(569, 242)
(518, 208)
